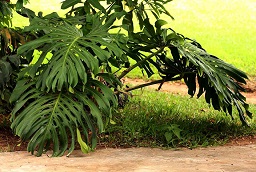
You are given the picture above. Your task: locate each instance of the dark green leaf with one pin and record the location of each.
(69, 3)
(159, 23)
(97, 5)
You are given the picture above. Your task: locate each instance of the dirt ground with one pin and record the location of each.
(238, 155)
(181, 88)
(213, 159)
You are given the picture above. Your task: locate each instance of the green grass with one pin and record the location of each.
(147, 119)
(225, 28)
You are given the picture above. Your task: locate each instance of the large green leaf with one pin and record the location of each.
(69, 3)
(84, 147)
(218, 79)
(97, 5)
(53, 118)
(73, 56)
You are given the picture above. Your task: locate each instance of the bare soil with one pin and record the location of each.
(211, 159)
(237, 155)
(181, 88)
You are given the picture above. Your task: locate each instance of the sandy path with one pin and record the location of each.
(181, 88)
(213, 159)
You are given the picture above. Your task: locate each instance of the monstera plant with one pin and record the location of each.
(67, 93)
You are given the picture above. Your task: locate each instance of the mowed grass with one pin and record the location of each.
(224, 28)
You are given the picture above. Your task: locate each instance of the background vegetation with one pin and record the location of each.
(226, 30)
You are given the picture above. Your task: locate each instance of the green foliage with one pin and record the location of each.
(217, 79)
(73, 54)
(189, 61)
(84, 147)
(53, 117)
(10, 62)
(5, 13)
(170, 132)
(71, 87)
(65, 90)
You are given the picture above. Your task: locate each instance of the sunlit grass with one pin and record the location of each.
(45, 6)
(225, 28)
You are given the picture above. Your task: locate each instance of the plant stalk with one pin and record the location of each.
(125, 72)
(152, 83)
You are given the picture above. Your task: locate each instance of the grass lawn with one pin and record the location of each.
(225, 28)
(154, 118)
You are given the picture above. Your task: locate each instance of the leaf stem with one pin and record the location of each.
(152, 83)
(125, 72)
